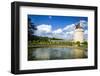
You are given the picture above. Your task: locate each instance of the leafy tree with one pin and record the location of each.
(31, 29)
(78, 43)
(85, 43)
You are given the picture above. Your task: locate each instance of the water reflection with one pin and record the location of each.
(55, 53)
(79, 53)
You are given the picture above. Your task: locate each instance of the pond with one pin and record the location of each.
(56, 53)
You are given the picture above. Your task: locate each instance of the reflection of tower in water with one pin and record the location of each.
(79, 32)
(79, 53)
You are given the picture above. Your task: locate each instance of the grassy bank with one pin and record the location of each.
(57, 44)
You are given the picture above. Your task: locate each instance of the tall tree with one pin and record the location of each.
(31, 29)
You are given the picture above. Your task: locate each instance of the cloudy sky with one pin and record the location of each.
(58, 26)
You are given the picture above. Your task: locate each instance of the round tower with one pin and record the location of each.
(79, 32)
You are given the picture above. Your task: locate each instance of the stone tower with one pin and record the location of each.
(78, 34)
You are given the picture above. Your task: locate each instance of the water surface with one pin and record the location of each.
(55, 53)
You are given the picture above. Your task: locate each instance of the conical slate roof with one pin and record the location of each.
(78, 26)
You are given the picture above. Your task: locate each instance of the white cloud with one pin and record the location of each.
(57, 31)
(43, 30)
(69, 28)
(68, 31)
(86, 32)
(63, 33)
(44, 27)
(84, 24)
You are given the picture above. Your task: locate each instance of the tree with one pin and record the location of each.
(85, 44)
(31, 29)
(78, 43)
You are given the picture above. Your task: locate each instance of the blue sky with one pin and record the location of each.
(57, 26)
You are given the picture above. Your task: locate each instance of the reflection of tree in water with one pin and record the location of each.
(40, 54)
(30, 53)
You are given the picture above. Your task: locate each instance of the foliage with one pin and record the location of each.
(31, 29)
(85, 44)
(78, 43)
(49, 41)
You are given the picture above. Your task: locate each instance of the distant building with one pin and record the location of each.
(79, 33)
